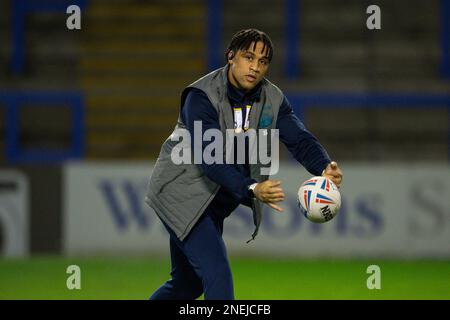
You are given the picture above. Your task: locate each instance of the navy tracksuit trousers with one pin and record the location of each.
(199, 264)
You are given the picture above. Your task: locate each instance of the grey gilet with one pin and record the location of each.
(180, 193)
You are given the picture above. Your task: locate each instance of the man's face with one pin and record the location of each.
(248, 67)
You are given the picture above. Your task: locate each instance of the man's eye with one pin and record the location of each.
(263, 62)
(249, 57)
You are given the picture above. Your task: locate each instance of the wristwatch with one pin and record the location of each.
(251, 190)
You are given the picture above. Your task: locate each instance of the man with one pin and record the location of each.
(192, 200)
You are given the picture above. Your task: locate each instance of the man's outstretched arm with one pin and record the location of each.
(304, 146)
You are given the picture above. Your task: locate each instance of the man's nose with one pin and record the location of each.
(254, 66)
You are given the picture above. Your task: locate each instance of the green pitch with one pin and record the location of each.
(133, 278)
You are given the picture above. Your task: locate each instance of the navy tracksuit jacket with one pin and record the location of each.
(200, 263)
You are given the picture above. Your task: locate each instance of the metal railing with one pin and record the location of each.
(14, 101)
(20, 9)
(300, 101)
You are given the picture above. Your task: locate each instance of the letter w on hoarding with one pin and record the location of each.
(124, 202)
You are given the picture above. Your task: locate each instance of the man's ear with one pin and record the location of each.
(230, 56)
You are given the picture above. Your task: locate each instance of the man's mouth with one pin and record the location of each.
(250, 78)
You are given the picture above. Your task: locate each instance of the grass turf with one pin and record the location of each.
(137, 278)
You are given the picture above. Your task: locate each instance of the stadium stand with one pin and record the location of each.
(132, 58)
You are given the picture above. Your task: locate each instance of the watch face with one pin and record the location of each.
(251, 192)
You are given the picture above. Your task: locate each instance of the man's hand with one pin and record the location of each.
(270, 192)
(334, 173)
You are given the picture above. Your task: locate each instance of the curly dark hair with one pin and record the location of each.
(244, 38)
